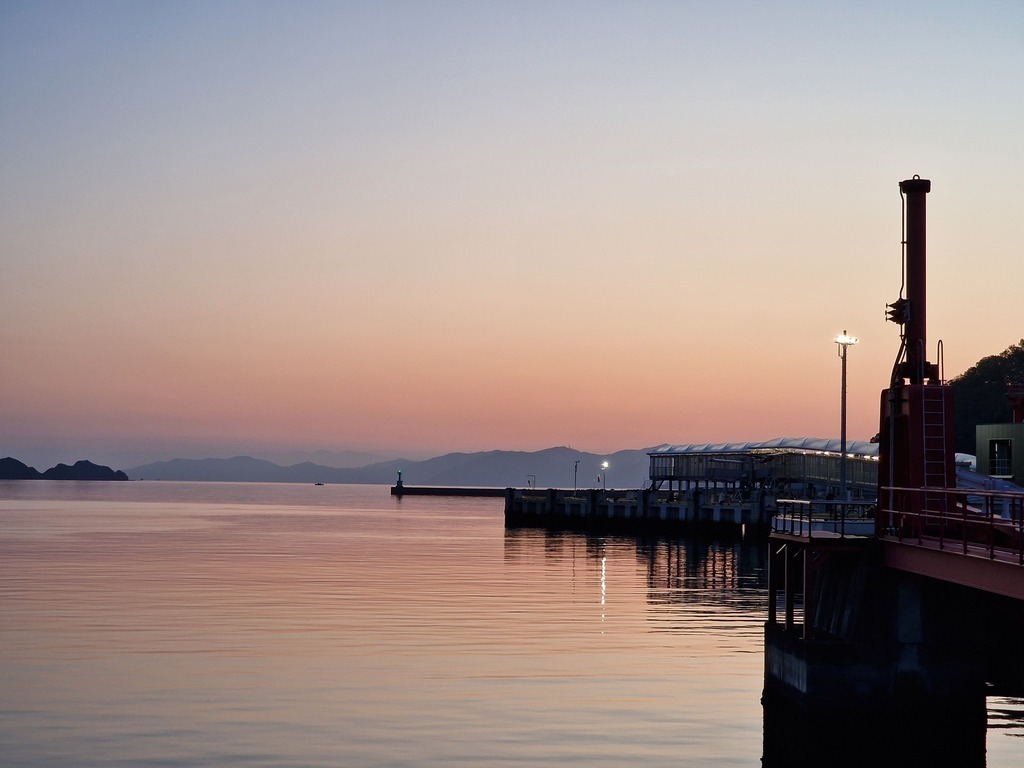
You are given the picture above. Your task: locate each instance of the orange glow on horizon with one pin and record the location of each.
(413, 234)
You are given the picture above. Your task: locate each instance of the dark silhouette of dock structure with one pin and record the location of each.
(900, 629)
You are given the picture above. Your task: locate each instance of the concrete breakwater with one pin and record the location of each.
(437, 490)
(635, 510)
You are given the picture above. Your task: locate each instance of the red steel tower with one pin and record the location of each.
(916, 431)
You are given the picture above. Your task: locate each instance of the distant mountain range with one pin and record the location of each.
(12, 469)
(549, 468)
(287, 458)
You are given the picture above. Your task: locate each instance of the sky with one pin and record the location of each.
(419, 227)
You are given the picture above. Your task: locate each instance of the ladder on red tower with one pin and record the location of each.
(934, 447)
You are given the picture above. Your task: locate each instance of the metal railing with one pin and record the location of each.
(984, 523)
(823, 519)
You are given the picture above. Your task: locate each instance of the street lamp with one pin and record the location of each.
(604, 475)
(575, 471)
(843, 343)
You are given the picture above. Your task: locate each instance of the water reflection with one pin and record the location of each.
(188, 626)
(679, 568)
(1006, 714)
(805, 734)
(718, 589)
(730, 574)
(675, 567)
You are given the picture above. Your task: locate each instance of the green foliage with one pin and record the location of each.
(979, 393)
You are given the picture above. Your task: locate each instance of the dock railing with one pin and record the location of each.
(810, 519)
(971, 522)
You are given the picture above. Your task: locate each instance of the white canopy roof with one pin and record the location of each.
(830, 445)
(862, 448)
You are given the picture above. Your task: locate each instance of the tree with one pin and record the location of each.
(979, 394)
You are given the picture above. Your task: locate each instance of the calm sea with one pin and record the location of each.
(208, 624)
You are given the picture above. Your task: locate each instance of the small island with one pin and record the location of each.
(12, 469)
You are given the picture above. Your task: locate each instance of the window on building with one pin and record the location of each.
(1000, 457)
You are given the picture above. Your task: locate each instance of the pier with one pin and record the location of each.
(895, 572)
(727, 488)
(439, 490)
(901, 617)
(635, 510)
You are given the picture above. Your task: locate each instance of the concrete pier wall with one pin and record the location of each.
(635, 509)
(883, 643)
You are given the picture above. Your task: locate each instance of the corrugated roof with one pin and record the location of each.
(830, 445)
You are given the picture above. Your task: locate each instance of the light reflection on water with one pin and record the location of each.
(219, 624)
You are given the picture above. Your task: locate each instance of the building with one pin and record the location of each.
(1000, 447)
(803, 467)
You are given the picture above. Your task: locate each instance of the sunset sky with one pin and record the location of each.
(421, 227)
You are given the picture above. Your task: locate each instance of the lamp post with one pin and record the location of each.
(604, 475)
(575, 472)
(843, 343)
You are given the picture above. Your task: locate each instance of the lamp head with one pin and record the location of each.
(846, 341)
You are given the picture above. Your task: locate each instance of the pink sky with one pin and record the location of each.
(414, 229)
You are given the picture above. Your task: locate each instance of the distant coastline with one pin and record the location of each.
(558, 467)
(12, 469)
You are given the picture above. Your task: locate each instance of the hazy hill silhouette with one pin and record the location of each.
(552, 467)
